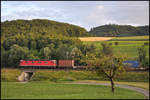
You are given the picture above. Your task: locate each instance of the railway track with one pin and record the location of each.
(70, 68)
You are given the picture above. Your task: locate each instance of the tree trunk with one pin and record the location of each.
(112, 84)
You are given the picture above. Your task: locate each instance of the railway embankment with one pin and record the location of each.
(11, 75)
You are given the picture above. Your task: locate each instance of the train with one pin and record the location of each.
(66, 64)
(50, 64)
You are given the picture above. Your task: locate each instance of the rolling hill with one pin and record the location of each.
(113, 30)
(40, 26)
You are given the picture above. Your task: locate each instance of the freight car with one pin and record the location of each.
(47, 64)
(69, 64)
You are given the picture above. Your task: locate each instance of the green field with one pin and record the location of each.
(126, 45)
(137, 38)
(47, 90)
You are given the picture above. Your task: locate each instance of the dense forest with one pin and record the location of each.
(40, 26)
(41, 39)
(113, 30)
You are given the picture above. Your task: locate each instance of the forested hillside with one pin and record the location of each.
(119, 30)
(41, 39)
(40, 26)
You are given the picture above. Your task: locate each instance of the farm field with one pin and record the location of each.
(91, 39)
(133, 38)
(48, 90)
(126, 45)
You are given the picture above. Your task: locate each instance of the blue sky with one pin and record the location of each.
(86, 14)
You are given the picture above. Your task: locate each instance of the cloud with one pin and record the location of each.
(100, 7)
(84, 13)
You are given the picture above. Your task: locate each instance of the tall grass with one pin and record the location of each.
(9, 75)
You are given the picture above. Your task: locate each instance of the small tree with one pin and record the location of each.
(47, 52)
(106, 49)
(142, 57)
(116, 43)
(108, 66)
(16, 54)
(110, 43)
(146, 43)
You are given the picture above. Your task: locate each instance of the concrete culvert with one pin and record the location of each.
(25, 76)
(30, 74)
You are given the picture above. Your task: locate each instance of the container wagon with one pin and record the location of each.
(69, 64)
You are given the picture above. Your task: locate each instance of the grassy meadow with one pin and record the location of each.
(48, 90)
(47, 84)
(126, 45)
(133, 38)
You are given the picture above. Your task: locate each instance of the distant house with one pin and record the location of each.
(134, 64)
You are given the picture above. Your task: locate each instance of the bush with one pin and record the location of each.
(110, 43)
(146, 43)
(116, 43)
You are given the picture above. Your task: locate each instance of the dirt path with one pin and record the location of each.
(143, 91)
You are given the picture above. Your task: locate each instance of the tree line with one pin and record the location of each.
(113, 30)
(17, 47)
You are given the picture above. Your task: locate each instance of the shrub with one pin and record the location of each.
(146, 43)
(110, 43)
(116, 43)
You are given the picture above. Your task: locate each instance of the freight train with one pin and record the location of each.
(50, 64)
(63, 64)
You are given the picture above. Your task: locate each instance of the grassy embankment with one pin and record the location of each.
(48, 90)
(126, 45)
(139, 79)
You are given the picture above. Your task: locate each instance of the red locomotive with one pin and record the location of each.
(46, 64)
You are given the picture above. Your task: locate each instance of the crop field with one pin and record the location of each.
(47, 90)
(95, 38)
(126, 45)
(131, 38)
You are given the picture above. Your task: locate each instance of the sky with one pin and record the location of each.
(87, 14)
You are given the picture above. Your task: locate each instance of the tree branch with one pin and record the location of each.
(105, 73)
